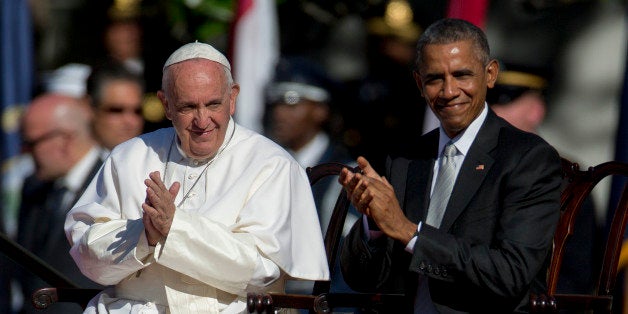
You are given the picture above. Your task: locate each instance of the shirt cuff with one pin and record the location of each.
(410, 245)
(368, 233)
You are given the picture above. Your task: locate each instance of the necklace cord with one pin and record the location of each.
(187, 194)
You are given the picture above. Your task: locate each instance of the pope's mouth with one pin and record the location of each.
(202, 132)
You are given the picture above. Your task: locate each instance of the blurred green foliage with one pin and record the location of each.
(202, 20)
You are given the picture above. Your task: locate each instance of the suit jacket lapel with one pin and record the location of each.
(476, 165)
(88, 180)
(58, 215)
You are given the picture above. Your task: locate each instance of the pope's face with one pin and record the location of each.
(199, 102)
(453, 80)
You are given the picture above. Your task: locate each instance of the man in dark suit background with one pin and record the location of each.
(56, 130)
(300, 100)
(489, 245)
(300, 114)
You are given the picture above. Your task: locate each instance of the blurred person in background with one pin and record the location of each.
(56, 131)
(519, 97)
(134, 38)
(390, 106)
(115, 95)
(5, 283)
(300, 97)
(68, 80)
(123, 43)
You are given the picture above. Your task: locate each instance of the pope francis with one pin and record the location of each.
(189, 219)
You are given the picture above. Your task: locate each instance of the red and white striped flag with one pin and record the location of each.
(473, 11)
(254, 52)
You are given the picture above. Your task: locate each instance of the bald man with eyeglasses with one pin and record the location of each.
(56, 131)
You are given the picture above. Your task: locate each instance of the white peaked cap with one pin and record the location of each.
(70, 79)
(196, 50)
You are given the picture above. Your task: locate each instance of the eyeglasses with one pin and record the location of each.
(121, 110)
(30, 144)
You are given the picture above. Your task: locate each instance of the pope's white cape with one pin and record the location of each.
(253, 203)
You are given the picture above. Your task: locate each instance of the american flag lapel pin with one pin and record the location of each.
(479, 167)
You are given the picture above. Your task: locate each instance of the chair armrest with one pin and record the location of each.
(44, 297)
(583, 301)
(266, 302)
(553, 304)
(323, 303)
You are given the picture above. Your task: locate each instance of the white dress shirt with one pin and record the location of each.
(75, 178)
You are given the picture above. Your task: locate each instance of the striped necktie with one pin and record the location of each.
(442, 189)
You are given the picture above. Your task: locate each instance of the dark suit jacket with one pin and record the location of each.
(40, 230)
(494, 242)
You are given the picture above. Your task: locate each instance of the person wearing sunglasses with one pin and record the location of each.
(116, 96)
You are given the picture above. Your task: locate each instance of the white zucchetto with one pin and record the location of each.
(196, 50)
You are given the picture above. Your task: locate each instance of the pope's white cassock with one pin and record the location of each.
(245, 221)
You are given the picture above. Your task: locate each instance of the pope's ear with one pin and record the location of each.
(164, 102)
(235, 90)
